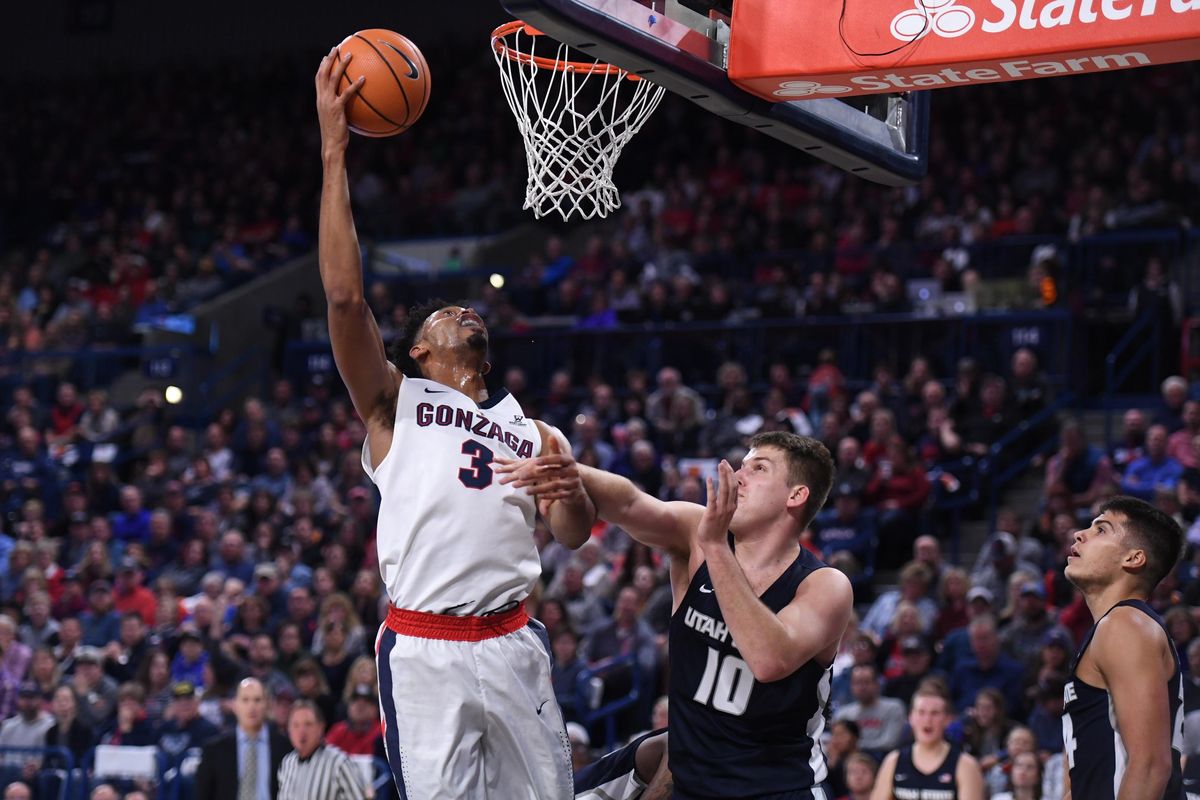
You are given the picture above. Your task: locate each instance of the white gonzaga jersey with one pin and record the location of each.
(451, 538)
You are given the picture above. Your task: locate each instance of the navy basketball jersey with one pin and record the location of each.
(1095, 752)
(732, 737)
(909, 783)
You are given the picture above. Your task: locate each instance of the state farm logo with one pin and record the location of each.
(944, 17)
(807, 89)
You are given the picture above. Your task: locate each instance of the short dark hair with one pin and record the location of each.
(809, 463)
(311, 706)
(406, 337)
(1151, 530)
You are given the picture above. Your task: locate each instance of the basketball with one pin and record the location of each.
(397, 86)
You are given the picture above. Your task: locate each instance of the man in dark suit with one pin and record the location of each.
(244, 765)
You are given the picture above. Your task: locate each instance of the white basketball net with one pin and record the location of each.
(574, 120)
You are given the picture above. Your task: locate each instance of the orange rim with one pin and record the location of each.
(501, 46)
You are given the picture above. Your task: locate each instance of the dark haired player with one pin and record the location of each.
(930, 768)
(464, 675)
(757, 618)
(1123, 716)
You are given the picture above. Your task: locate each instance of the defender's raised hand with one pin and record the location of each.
(720, 507)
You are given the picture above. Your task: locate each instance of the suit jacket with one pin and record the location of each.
(217, 775)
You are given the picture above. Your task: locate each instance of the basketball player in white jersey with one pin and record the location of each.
(1123, 710)
(464, 674)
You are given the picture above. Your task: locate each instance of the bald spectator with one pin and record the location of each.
(18, 790)
(101, 624)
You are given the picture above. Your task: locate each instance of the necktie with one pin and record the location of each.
(248, 785)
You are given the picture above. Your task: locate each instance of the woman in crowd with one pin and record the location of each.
(1025, 782)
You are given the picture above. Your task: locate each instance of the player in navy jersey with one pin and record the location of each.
(1123, 714)
(757, 618)
(930, 768)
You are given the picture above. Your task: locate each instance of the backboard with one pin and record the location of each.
(882, 138)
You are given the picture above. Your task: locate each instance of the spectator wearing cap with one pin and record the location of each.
(267, 586)
(130, 728)
(917, 657)
(988, 666)
(356, 735)
(847, 526)
(101, 624)
(184, 728)
(1022, 637)
(95, 692)
(914, 588)
(188, 663)
(581, 746)
(956, 645)
(132, 522)
(67, 730)
(129, 595)
(27, 728)
(244, 764)
(1155, 471)
(1001, 559)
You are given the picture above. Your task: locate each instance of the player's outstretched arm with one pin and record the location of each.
(772, 645)
(968, 778)
(562, 501)
(1130, 650)
(885, 776)
(670, 526)
(357, 346)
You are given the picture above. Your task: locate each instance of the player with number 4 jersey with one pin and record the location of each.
(464, 674)
(1123, 712)
(756, 623)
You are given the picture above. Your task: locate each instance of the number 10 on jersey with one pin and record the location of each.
(726, 684)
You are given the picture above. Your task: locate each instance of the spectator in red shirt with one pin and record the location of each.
(357, 734)
(131, 595)
(899, 488)
(64, 415)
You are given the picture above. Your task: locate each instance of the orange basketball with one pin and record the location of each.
(397, 85)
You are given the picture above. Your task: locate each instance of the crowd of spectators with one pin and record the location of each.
(208, 177)
(138, 591)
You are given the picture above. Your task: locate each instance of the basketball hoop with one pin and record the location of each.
(574, 116)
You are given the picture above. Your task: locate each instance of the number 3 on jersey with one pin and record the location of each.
(479, 474)
(726, 684)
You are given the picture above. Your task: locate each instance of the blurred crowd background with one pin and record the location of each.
(149, 562)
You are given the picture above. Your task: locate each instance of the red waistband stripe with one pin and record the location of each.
(455, 629)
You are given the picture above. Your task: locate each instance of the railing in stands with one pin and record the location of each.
(92, 367)
(1143, 346)
(591, 686)
(58, 782)
(1028, 441)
